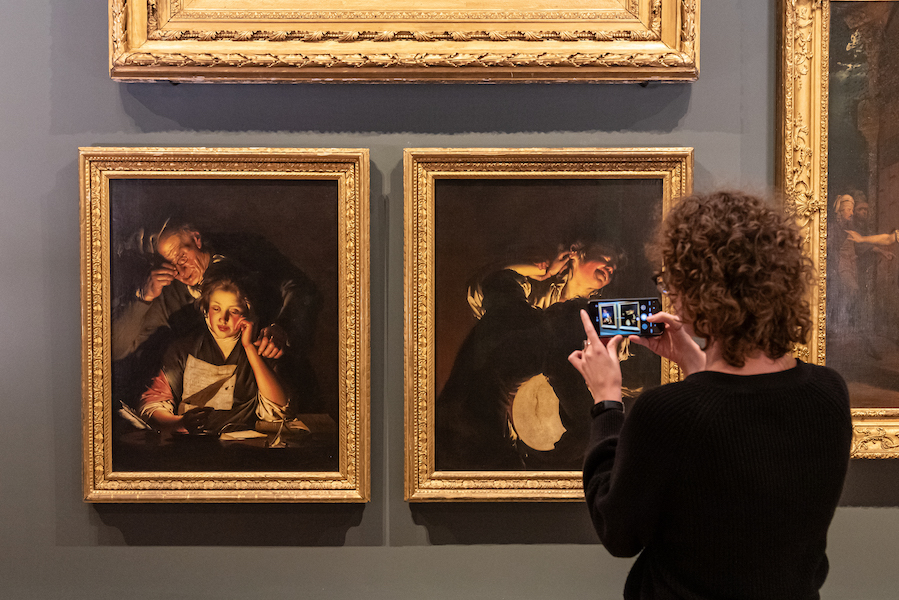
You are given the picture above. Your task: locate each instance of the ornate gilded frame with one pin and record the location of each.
(348, 168)
(295, 40)
(673, 167)
(803, 106)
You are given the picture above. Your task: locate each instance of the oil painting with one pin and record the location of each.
(519, 247)
(863, 201)
(222, 324)
(838, 167)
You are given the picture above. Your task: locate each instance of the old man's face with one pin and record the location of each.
(183, 249)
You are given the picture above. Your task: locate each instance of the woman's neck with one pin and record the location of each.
(226, 345)
(573, 290)
(576, 288)
(755, 364)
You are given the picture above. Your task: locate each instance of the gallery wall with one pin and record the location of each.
(56, 96)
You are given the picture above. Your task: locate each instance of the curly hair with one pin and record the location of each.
(737, 273)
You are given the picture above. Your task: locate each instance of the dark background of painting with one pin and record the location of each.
(57, 96)
(484, 222)
(298, 216)
(863, 154)
(847, 151)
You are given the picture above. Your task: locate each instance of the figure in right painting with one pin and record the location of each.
(511, 402)
(863, 203)
(513, 276)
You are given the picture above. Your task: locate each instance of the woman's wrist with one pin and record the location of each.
(602, 406)
(606, 398)
(605, 393)
(610, 399)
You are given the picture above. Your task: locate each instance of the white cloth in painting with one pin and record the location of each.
(202, 380)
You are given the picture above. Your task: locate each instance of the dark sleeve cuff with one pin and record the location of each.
(603, 406)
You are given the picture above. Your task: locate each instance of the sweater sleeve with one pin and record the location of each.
(626, 469)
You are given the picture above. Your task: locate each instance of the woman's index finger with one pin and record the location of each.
(589, 329)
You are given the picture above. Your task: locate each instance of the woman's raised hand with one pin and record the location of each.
(675, 344)
(563, 257)
(246, 333)
(598, 363)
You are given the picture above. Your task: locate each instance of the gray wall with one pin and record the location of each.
(56, 96)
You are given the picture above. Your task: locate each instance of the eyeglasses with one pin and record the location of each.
(659, 280)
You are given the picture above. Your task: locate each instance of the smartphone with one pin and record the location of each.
(625, 316)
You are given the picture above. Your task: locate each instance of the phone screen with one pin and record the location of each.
(625, 316)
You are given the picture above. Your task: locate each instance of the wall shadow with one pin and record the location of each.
(871, 483)
(551, 523)
(395, 108)
(227, 525)
(505, 523)
(80, 76)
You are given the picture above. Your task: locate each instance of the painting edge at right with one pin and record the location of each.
(802, 175)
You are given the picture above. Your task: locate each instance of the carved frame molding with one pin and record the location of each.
(636, 40)
(803, 107)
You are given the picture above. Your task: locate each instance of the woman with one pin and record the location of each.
(727, 481)
(216, 378)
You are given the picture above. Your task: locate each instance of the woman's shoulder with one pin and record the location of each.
(669, 402)
(821, 373)
(673, 392)
(705, 389)
(829, 387)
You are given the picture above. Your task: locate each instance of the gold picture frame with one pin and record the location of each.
(470, 208)
(295, 40)
(818, 38)
(299, 215)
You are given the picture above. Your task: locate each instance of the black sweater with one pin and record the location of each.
(727, 483)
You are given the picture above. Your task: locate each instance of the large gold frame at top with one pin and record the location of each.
(803, 107)
(422, 168)
(403, 41)
(349, 167)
